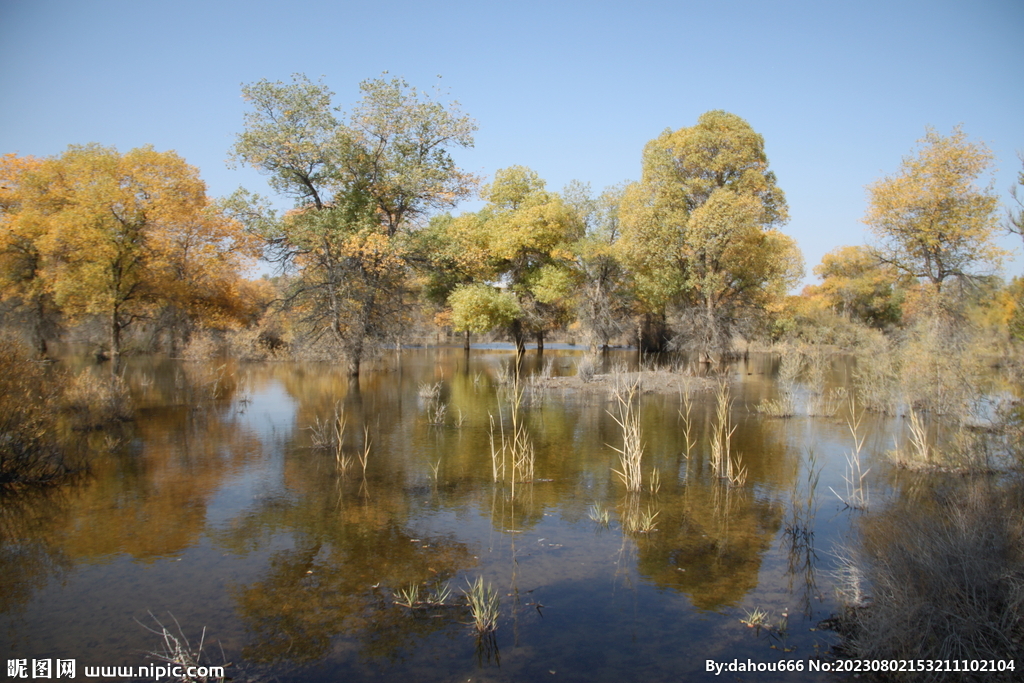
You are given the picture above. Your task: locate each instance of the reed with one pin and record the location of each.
(726, 467)
(785, 404)
(855, 478)
(177, 650)
(632, 451)
(685, 412)
(943, 581)
(364, 455)
(512, 453)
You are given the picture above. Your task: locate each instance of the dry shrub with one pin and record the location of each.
(877, 377)
(95, 399)
(942, 369)
(203, 345)
(256, 344)
(29, 399)
(939, 579)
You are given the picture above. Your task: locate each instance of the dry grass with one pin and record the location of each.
(939, 579)
(785, 404)
(178, 651)
(855, 478)
(724, 465)
(586, 368)
(95, 399)
(627, 396)
(512, 455)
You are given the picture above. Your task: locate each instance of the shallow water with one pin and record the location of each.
(213, 507)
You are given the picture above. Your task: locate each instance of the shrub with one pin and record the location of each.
(939, 579)
(29, 398)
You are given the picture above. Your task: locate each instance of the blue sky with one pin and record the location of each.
(840, 92)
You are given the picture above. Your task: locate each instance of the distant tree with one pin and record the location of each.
(123, 235)
(931, 219)
(858, 287)
(22, 224)
(359, 188)
(602, 300)
(699, 231)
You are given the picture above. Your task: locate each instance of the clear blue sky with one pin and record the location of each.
(840, 91)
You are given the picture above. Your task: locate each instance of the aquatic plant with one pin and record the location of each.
(628, 419)
(484, 606)
(827, 404)
(598, 513)
(408, 596)
(855, 478)
(177, 650)
(437, 410)
(723, 464)
(429, 391)
(785, 404)
(512, 452)
(685, 411)
(586, 368)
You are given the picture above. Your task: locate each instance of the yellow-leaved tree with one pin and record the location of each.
(123, 236)
(932, 219)
(22, 222)
(700, 231)
(524, 235)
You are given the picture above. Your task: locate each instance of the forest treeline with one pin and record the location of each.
(129, 250)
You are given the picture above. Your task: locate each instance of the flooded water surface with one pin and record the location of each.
(226, 505)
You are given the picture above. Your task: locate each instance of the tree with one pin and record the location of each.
(359, 188)
(109, 233)
(699, 231)
(602, 301)
(525, 232)
(1015, 217)
(932, 219)
(22, 285)
(858, 287)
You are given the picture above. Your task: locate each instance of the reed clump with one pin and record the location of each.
(785, 404)
(512, 454)
(939, 579)
(627, 416)
(94, 400)
(725, 466)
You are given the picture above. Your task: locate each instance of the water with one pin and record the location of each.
(223, 516)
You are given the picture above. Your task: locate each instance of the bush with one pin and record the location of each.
(939, 579)
(30, 394)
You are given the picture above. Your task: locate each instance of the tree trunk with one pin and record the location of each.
(540, 343)
(466, 343)
(519, 337)
(115, 342)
